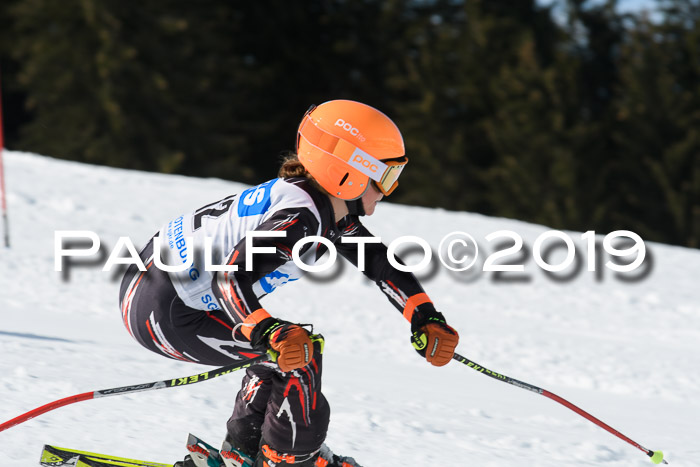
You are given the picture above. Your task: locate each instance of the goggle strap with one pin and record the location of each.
(367, 164)
(343, 150)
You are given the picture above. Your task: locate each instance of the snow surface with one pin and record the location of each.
(625, 352)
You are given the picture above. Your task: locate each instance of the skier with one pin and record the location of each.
(348, 157)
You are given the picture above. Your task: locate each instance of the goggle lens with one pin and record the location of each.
(390, 179)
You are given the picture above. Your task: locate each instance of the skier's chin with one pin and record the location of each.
(369, 209)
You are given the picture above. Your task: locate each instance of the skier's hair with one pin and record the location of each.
(292, 167)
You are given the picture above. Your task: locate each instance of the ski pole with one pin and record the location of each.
(170, 383)
(657, 457)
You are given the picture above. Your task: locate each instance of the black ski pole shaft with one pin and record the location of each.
(657, 457)
(169, 383)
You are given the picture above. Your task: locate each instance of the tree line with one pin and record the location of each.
(570, 114)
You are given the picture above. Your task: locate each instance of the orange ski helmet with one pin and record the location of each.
(345, 145)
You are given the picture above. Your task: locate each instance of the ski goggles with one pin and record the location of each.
(390, 177)
(383, 173)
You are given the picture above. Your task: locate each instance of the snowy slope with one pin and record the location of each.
(626, 352)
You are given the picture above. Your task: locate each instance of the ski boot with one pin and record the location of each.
(324, 457)
(229, 458)
(233, 457)
(203, 454)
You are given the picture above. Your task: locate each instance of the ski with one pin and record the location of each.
(54, 456)
(201, 453)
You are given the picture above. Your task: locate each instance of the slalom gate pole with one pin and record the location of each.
(657, 457)
(3, 202)
(170, 383)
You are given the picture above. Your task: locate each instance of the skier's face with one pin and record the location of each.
(370, 199)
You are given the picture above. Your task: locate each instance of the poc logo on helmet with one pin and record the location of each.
(364, 163)
(349, 128)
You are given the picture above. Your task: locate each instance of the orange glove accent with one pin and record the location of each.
(294, 346)
(441, 342)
